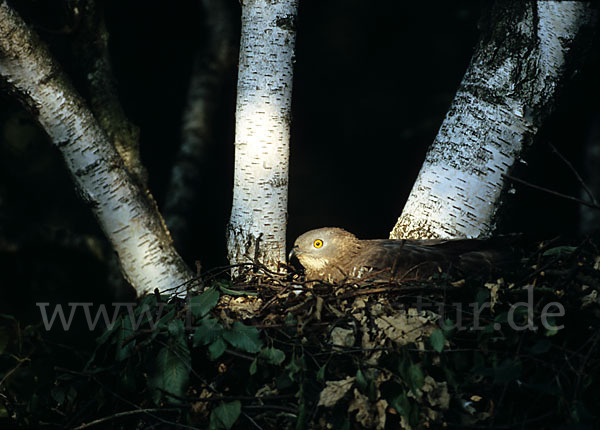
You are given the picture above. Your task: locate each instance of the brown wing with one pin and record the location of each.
(405, 259)
(419, 259)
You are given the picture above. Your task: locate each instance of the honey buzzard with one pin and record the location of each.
(334, 255)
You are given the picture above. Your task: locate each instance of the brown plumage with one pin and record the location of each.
(334, 255)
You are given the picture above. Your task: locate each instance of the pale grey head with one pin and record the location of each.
(320, 252)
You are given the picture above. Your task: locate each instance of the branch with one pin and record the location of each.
(555, 193)
(124, 414)
(576, 173)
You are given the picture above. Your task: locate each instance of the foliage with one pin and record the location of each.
(446, 352)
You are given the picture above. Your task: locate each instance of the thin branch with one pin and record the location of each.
(14, 369)
(576, 173)
(555, 193)
(123, 414)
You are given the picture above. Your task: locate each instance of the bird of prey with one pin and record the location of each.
(334, 255)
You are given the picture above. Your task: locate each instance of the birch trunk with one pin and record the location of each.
(127, 215)
(257, 226)
(508, 90)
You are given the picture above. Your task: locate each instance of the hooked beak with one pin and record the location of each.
(293, 253)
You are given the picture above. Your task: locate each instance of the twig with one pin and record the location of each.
(13, 370)
(555, 193)
(254, 423)
(232, 398)
(123, 414)
(576, 173)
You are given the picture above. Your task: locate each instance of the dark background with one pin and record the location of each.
(372, 84)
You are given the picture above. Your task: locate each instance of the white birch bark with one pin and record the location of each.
(507, 91)
(126, 214)
(257, 226)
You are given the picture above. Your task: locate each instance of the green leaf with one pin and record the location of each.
(293, 367)
(243, 337)
(176, 329)
(361, 381)
(162, 322)
(482, 296)
(290, 319)
(107, 333)
(171, 373)
(225, 415)
(231, 292)
(559, 251)
(217, 348)
(272, 355)
(448, 328)
(202, 304)
(416, 378)
(125, 345)
(58, 394)
(301, 421)
(401, 404)
(208, 330)
(253, 367)
(552, 328)
(580, 414)
(321, 373)
(437, 340)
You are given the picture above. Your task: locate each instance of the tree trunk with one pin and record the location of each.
(507, 92)
(257, 227)
(127, 215)
(214, 60)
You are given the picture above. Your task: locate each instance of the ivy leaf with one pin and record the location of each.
(243, 337)
(225, 415)
(202, 304)
(272, 355)
(437, 340)
(207, 331)
(171, 373)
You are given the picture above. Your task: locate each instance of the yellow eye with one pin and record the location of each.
(318, 243)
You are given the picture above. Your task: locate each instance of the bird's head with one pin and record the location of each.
(316, 249)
